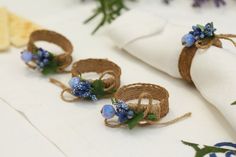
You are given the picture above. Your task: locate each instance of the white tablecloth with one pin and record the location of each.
(76, 129)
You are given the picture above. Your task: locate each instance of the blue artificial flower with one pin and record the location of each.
(26, 56)
(93, 97)
(82, 88)
(201, 32)
(108, 111)
(197, 32)
(42, 58)
(74, 82)
(188, 40)
(209, 30)
(122, 117)
(121, 106)
(123, 112)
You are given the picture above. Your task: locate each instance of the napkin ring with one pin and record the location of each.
(124, 111)
(201, 37)
(43, 60)
(82, 88)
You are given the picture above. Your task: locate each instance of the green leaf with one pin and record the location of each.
(135, 120)
(152, 117)
(113, 100)
(201, 27)
(51, 68)
(201, 152)
(98, 88)
(233, 103)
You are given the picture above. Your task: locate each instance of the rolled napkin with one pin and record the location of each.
(158, 43)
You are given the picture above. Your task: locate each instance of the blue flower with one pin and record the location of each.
(121, 106)
(74, 82)
(82, 88)
(209, 30)
(122, 117)
(123, 112)
(188, 40)
(108, 111)
(26, 56)
(197, 32)
(42, 58)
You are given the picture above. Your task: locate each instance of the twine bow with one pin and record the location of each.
(215, 41)
(147, 109)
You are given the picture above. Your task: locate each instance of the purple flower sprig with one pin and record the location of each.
(199, 3)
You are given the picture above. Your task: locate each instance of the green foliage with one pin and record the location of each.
(98, 88)
(135, 120)
(233, 103)
(109, 9)
(152, 117)
(201, 27)
(201, 152)
(50, 68)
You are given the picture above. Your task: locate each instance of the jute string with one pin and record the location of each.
(92, 65)
(63, 59)
(151, 92)
(188, 53)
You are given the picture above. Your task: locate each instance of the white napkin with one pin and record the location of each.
(158, 43)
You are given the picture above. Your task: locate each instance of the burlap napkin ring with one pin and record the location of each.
(81, 88)
(124, 112)
(43, 60)
(201, 37)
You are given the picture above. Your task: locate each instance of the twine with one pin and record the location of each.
(63, 59)
(100, 66)
(188, 53)
(151, 92)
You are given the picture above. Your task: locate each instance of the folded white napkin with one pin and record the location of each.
(158, 43)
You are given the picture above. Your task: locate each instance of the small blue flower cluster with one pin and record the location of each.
(199, 32)
(121, 110)
(41, 57)
(82, 88)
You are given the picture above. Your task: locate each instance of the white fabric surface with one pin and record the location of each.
(19, 138)
(213, 70)
(77, 129)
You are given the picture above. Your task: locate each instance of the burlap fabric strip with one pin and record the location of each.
(64, 59)
(103, 67)
(188, 53)
(158, 103)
